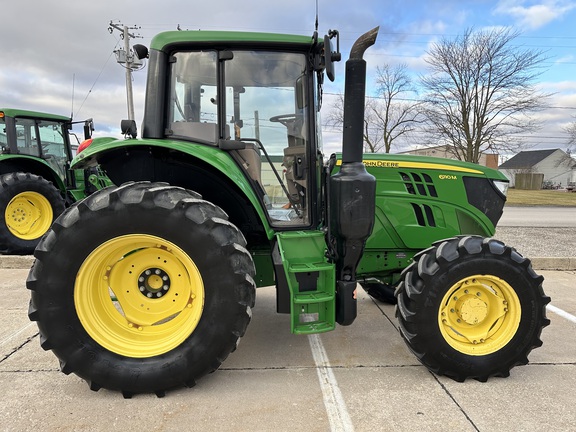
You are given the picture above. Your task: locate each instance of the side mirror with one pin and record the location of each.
(88, 128)
(128, 127)
(328, 63)
(141, 51)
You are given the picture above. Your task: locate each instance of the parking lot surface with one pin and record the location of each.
(356, 378)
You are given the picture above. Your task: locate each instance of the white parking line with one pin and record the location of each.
(338, 416)
(562, 313)
(16, 333)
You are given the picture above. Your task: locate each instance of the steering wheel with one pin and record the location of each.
(285, 119)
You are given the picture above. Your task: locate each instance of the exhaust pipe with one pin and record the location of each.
(352, 189)
(354, 95)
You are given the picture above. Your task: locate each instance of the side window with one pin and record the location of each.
(26, 139)
(193, 100)
(3, 138)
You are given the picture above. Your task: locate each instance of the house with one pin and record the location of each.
(487, 159)
(556, 166)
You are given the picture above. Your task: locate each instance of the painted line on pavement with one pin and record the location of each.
(338, 416)
(562, 313)
(16, 333)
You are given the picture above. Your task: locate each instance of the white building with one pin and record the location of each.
(556, 165)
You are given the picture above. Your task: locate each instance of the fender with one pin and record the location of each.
(102, 150)
(34, 165)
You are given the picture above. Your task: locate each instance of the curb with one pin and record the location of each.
(553, 263)
(546, 263)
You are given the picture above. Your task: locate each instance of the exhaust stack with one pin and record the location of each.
(354, 95)
(352, 189)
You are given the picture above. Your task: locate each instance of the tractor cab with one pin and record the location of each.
(38, 136)
(258, 104)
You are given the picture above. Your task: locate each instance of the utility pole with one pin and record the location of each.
(126, 57)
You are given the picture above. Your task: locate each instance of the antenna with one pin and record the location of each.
(316, 24)
(72, 110)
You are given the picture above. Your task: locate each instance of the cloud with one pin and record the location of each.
(533, 15)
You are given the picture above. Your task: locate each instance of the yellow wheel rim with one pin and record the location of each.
(139, 295)
(479, 315)
(28, 215)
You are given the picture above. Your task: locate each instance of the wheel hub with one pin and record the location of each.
(154, 283)
(471, 309)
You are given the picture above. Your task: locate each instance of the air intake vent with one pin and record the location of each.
(424, 215)
(419, 184)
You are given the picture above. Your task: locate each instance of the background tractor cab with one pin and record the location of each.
(36, 181)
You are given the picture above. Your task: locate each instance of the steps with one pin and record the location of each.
(311, 280)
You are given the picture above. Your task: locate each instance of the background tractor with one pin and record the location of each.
(36, 182)
(149, 286)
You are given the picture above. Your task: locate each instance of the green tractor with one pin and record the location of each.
(36, 183)
(149, 286)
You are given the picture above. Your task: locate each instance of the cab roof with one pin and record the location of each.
(14, 112)
(167, 39)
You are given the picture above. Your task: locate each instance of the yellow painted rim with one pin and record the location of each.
(28, 215)
(139, 295)
(479, 315)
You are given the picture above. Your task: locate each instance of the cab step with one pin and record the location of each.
(311, 280)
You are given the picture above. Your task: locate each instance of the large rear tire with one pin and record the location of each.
(142, 288)
(28, 206)
(471, 307)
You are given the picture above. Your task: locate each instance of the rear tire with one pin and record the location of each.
(142, 288)
(28, 206)
(471, 307)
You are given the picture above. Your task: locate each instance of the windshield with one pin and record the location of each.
(263, 103)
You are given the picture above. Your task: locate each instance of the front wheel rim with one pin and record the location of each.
(479, 315)
(139, 295)
(28, 215)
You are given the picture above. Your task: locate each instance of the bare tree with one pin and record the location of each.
(395, 116)
(387, 116)
(480, 93)
(571, 131)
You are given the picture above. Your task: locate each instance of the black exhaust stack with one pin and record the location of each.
(352, 189)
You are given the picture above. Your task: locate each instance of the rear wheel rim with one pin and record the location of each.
(479, 315)
(139, 295)
(28, 215)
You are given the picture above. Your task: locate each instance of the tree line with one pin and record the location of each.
(479, 95)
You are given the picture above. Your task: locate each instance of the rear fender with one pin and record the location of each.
(22, 163)
(152, 159)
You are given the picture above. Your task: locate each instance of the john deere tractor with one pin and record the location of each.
(150, 285)
(36, 182)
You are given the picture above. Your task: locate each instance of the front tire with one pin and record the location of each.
(142, 288)
(471, 307)
(28, 206)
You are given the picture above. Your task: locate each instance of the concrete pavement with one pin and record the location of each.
(360, 377)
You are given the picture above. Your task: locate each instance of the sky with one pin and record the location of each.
(57, 55)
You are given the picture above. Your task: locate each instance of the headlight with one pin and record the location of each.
(502, 186)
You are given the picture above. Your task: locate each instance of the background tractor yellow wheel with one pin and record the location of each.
(28, 206)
